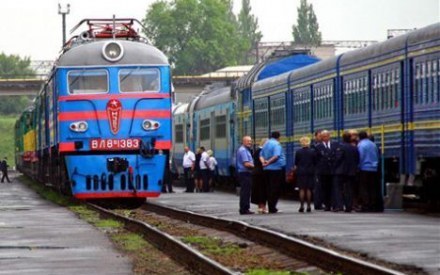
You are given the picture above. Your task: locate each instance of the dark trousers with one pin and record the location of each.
(317, 193)
(347, 192)
(370, 193)
(336, 195)
(5, 175)
(245, 180)
(326, 187)
(204, 173)
(189, 181)
(275, 180)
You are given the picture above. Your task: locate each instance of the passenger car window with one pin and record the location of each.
(88, 81)
(139, 80)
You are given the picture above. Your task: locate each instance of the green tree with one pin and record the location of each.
(13, 67)
(306, 31)
(198, 36)
(248, 28)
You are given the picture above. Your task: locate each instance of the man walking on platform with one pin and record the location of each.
(188, 167)
(4, 169)
(245, 164)
(274, 161)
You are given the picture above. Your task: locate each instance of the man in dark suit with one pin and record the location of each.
(324, 166)
(4, 169)
(344, 170)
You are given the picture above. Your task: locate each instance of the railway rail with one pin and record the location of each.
(283, 248)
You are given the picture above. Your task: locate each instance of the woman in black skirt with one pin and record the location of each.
(258, 189)
(305, 170)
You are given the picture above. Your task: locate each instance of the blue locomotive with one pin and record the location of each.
(391, 89)
(101, 126)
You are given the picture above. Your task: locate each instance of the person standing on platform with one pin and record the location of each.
(245, 164)
(368, 181)
(345, 170)
(259, 189)
(274, 161)
(4, 168)
(188, 167)
(196, 172)
(204, 169)
(317, 188)
(324, 165)
(212, 170)
(305, 172)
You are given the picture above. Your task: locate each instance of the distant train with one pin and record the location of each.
(391, 89)
(100, 128)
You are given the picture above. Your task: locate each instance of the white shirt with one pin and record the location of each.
(188, 159)
(203, 159)
(212, 163)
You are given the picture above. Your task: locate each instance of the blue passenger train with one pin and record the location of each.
(391, 89)
(102, 122)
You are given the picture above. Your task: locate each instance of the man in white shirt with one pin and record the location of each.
(204, 169)
(188, 166)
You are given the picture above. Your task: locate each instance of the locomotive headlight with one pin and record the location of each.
(112, 51)
(150, 125)
(79, 126)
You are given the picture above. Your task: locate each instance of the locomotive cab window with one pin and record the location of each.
(88, 82)
(139, 80)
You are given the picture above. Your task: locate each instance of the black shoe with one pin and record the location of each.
(309, 209)
(327, 209)
(246, 212)
(301, 210)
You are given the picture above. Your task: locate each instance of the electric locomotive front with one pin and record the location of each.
(114, 114)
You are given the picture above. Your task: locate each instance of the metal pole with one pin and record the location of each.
(63, 13)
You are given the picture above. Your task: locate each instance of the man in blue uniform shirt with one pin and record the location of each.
(245, 164)
(273, 159)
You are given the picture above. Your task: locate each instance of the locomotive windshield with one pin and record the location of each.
(88, 82)
(139, 80)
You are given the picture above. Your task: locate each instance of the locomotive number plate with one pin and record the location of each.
(114, 144)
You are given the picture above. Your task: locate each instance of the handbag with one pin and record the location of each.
(291, 177)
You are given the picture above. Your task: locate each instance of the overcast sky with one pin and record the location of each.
(33, 27)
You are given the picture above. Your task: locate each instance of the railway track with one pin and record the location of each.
(272, 250)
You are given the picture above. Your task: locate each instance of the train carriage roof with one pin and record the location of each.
(274, 67)
(276, 81)
(314, 71)
(180, 108)
(429, 33)
(215, 97)
(373, 53)
(90, 54)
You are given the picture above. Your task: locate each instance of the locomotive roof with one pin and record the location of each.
(214, 97)
(90, 54)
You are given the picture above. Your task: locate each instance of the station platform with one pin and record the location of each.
(393, 236)
(38, 237)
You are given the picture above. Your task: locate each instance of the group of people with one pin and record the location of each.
(4, 169)
(260, 175)
(199, 170)
(339, 176)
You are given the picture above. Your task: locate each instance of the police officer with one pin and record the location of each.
(245, 164)
(274, 161)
